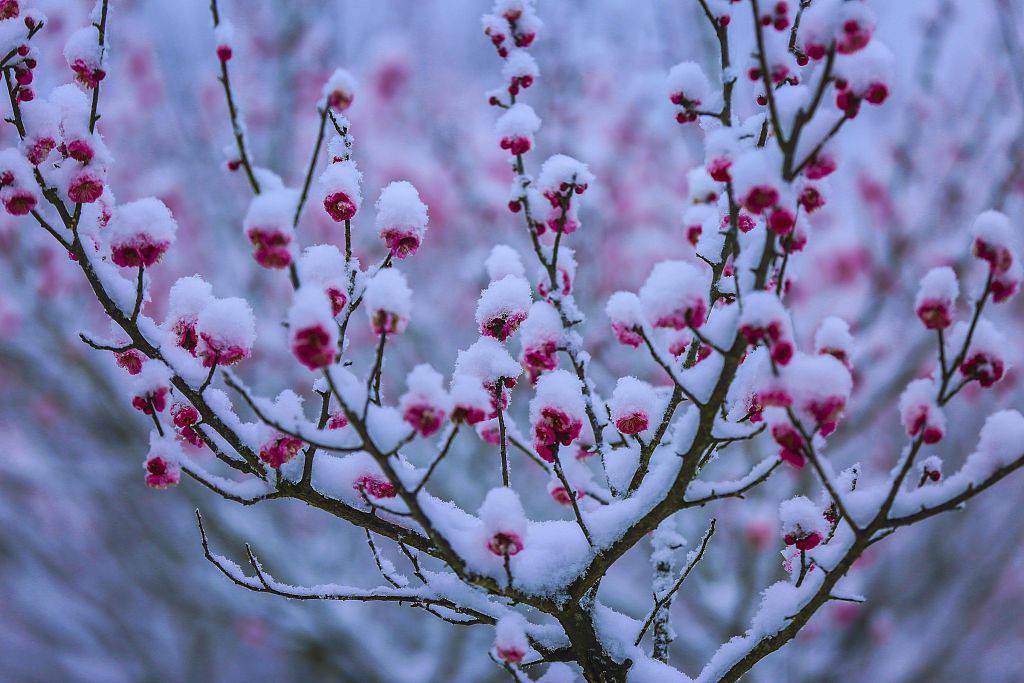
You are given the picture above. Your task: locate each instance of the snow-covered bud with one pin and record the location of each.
(340, 90)
(162, 465)
(17, 184)
(323, 265)
(540, 335)
(503, 306)
(401, 218)
(510, 641)
(470, 400)
(721, 147)
(920, 413)
(42, 130)
(756, 186)
(993, 240)
(855, 25)
(224, 38)
(339, 190)
(388, 302)
(674, 295)
(279, 449)
(803, 523)
(566, 272)
(556, 413)
(516, 128)
(764, 320)
(626, 313)
(150, 388)
(520, 71)
(226, 330)
(562, 176)
(425, 404)
(268, 225)
(865, 76)
(820, 387)
(187, 299)
(140, 232)
(82, 54)
(633, 405)
(791, 443)
(312, 331)
(503, 261)
(489, 362)
(833, 338)
(931, 469)
(701, 187)
(936, 298)
(1006, 284)
(696, 219)
(504, 522)
(985, 358)
(688, 88)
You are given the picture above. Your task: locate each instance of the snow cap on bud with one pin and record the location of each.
(224, 37)
(82, 54)
(687, 85)
(503, 306)
(324, 266)
(516, 128)
(311, 327)
(633, 405)
(920, 413)
(150, 388)
(510, 641)
(855, 25)
(227, 331)
(936, 298)
(504, 521)
(756, 185)
(560, 176)
(268, 225)
(339, 190)
(520, 71)
(993, 240)
(1007, 283)
(764, 320)
(488, 361)
(388, 302)
(339, 90)
(674, 295)
(721, 147)
(401, 218)
(833, 337)
(186, 300)
(469, 400)
(931, 469)
(42, 130)
(140, 232)
(163, 468)
(556, 412)
(502, 261)
(820, 386)
(985, 359)
(803, 523)
(626, 313)
(17, 183)
(540, 335)
(425, 404)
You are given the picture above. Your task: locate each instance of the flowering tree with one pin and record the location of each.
(624, 457)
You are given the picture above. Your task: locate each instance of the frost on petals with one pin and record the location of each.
(140, 232)
(556, 413)
(503, 306)
(425, 404)
(311, 326)
(504, 522)
(388, 302)
(401, 218)
(675, 295)
(226, 330)
(936, 298)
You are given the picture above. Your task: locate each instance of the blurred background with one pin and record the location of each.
(104, 580)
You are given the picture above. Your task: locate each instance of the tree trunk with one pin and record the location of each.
(598, 666)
